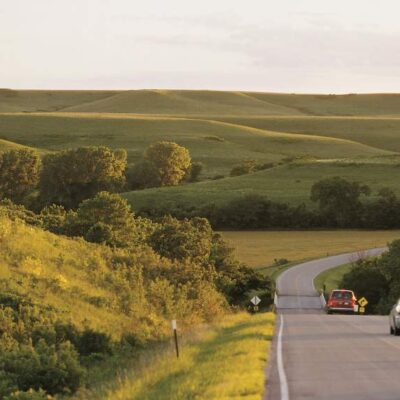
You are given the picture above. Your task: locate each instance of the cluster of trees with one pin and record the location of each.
(339, 204)
(378, 279)
(68, 177)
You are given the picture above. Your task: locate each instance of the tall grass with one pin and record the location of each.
(224, 361)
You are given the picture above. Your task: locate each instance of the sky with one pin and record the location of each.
(294, 46)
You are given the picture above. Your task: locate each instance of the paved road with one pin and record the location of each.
(326, 357)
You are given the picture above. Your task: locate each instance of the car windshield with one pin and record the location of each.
(341, 295)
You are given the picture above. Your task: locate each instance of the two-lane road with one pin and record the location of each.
(319, 356)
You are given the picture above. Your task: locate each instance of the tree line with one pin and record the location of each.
(339, 203)
(377, 279)
(70, 176)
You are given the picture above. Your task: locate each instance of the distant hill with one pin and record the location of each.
(192, 102)
(217, 144)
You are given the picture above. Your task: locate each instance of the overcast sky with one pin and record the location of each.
(282, 45)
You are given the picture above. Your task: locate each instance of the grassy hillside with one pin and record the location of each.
(289, 183)
(218, 145)
(59, 273)
(46, 100)
(191, 102)
(379, 132)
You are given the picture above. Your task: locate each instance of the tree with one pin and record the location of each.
(183, 240)
(19, 173)
(195, 171)
(383, 213)
(106, 218)
(143, 175)
(366, 280)
(339, 200)
(70, 176)
(171, 161)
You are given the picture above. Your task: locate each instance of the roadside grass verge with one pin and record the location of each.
(225, 361)
(331, 278)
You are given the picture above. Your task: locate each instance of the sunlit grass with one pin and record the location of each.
(227, 361)
(331, 278)
(260, 248)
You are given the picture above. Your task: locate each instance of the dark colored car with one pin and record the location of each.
(341, 300)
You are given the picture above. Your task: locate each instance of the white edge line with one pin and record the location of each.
(281, 370)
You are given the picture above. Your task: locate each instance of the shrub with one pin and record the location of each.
(94, 342)
(29, 395)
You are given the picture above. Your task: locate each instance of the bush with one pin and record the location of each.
(29, 395)
(94, 342)
(367, 280)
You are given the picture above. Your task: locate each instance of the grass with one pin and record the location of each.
(259, 249)
(225, 361)
(56, 131)
(331, 278)
(60, 273)
(379, 132)
(191, 102)
(287, 183)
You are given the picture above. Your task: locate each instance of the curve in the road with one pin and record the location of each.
(328, 357)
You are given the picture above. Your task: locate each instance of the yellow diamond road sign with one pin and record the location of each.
(363, 302)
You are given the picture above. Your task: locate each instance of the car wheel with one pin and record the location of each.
(396, 331)
(391, 330)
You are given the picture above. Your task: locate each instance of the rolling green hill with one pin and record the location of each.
(219, 145)
(380, 132)
(289, 183)
(355, 136)
(192, 102)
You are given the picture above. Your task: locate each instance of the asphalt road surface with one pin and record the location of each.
(320, 356)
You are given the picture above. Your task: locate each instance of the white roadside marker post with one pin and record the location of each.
(256, 301)
(175, 337)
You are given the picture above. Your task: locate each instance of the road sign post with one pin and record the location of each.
(175, 337)
(363, 303)
(256, 301)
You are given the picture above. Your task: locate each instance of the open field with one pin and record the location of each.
(259, 249)
(214, 366)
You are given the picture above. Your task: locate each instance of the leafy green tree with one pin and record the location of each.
(19, 174)
(143, 175)
(366, 280)
(71, 176)
(105, 218)
(339, 200)
(383, 213)
(53, 218)
(183, 240)
(171, 161)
